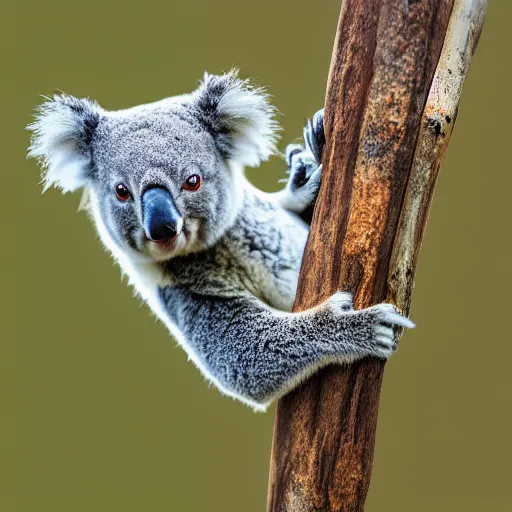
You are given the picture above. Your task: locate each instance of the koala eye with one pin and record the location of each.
(192, 183)
(122, 192)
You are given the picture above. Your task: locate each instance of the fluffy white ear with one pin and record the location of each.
(61, 138)
(239, 117)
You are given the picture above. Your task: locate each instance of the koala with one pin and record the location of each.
(216, 259)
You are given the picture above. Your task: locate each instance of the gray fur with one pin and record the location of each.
(226, 285)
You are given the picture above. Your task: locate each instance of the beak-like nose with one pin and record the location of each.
(162, 220)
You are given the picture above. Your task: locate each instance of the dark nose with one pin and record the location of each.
(162, 220)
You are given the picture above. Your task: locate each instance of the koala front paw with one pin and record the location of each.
(384, 318)
(370, 331)
(304, 164)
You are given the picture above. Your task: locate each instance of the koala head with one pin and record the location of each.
(162, 178)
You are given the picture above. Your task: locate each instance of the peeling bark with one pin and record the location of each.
(385, 141)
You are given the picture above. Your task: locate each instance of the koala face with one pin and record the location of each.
(162, 178)
(160, 183)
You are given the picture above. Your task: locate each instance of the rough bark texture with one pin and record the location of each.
(367, 226)
(437, 123)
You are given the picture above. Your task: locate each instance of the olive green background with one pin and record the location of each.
(99, 409)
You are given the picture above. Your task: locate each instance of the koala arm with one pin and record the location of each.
(256, 353)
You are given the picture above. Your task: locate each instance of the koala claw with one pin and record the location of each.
(304, 164)
(390, 315)
(314, 182)
(385, 337)
(291, 150)
(314, 136)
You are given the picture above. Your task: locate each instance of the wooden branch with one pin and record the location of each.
(436, 128)
(368, 224)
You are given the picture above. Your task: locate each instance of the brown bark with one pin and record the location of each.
(437, 123)
(384, 59)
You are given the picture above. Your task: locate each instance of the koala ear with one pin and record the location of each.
(61, 138)
(239, 117)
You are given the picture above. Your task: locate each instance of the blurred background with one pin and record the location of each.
(101, 412)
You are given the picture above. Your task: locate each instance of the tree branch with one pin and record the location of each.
(437, 123)
(383, 151)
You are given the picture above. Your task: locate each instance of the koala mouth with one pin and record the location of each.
(166, 244)
(166, 248)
